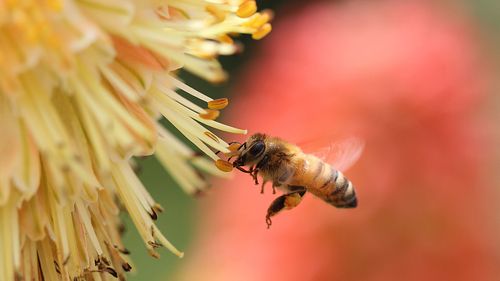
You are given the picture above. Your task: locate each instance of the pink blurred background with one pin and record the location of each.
(411, 79)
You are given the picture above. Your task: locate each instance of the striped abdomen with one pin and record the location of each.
(327, 183)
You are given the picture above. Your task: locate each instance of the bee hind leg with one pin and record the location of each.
(285, 202)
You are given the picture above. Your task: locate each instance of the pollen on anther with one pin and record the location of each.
(262, 19)
(233, 149)
(212, 136)
(218, 104)
(210, 114)
(225, 39)
(223, 165)
(247, 9)
(262, 31)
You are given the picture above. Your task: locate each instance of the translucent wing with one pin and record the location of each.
(340, 154)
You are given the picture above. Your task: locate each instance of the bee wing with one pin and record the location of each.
(340, 154)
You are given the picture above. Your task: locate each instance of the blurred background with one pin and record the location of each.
(419, 81)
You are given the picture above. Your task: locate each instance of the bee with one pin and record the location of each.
(296, 173)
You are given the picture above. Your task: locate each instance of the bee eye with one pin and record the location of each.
(257, 148)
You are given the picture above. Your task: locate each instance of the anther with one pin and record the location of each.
(126, 266)
(153, 253)
(247, 9)
(210, 114)
(218, 14)
(262, 31)
(261, 19)
(111, 271)
(124, 251)
(212, 136)
(154, 244)
(233, 149)
(157, 207)
(58, 269)
(218, 104)
(224, 38)
(223, 165)
(153, 214)
(105, 261)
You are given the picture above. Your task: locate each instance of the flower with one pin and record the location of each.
(407, 77)
(82, 86)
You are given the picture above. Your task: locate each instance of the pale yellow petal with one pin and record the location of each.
(10, 147)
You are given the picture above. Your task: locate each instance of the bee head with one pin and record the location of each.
(251, 151)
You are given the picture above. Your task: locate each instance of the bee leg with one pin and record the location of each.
(254, 175)
(253, 172)
(259, 166)
(285, 202)
(262, 187)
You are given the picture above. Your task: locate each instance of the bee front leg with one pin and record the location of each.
(285, 202)
(254, 175)
(262, 163)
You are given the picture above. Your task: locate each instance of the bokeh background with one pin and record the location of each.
(420, 82)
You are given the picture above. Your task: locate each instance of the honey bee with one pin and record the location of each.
(296, 173)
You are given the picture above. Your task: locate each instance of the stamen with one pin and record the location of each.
(223, 165)
(261, 19)
(225, 39)
(126, 266)
(234, 147)
(89, 230)
(218, 14)
(165, 243)
(218, 104)
(247, 9)
(157, 208)
(212, 136)
(210, 114)
(119, 84)
(177, 83)
(262, 31)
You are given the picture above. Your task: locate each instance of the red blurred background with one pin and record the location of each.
(410, 78)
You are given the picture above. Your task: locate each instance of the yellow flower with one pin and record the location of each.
(82, 86)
